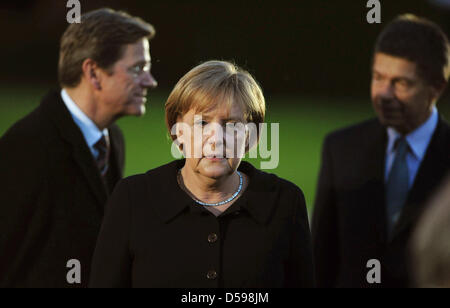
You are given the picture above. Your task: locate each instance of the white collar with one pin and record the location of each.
(90, 131)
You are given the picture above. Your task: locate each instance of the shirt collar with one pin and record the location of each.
(258, 200)
(88, 128)
(419, 139)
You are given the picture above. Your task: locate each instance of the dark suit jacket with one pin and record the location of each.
(349, 221)
(52, 197)
(155, 235)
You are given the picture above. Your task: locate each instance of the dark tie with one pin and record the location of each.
(397, 184)
(102, 146)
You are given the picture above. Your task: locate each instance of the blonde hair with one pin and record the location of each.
(212, 83)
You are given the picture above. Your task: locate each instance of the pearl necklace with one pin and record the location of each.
(221, 202)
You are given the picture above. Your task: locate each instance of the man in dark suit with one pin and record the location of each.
(59, 164)
(376, 176)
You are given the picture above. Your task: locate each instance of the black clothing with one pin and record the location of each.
(155, 235)
(52, 197)
(349, 225)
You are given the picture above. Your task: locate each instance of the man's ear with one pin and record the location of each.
(438, 90)
(92, 73)
(443, 88)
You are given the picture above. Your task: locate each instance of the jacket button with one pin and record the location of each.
(211, 275)
(212, 238)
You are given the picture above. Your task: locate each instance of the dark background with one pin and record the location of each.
(312, 58)
(321, 48)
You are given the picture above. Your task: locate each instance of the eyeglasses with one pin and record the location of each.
(138, 70)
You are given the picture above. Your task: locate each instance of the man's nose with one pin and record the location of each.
(149, 81)
(386, 90)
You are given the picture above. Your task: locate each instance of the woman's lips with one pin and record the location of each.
(213, 158)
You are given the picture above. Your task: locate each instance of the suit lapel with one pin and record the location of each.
(376, 198)
(431, 171)
(86, 162)
(117, 157)
(70, 132)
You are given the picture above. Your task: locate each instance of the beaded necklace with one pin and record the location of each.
(180, 180)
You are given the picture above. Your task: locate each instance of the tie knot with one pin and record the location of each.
(101, 145)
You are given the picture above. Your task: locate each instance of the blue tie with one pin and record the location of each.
(397, 184)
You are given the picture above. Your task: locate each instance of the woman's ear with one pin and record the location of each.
(179, 130)
(176, 133)
(92, 73)
(182, 131)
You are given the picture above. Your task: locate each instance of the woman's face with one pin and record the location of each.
(213, 141)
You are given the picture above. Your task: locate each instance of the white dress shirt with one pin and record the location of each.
(88, 128)
(418, 141)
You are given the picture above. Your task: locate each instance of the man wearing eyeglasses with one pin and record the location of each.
(59, 164)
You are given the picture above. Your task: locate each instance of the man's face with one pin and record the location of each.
(124, 91)
(401, 99)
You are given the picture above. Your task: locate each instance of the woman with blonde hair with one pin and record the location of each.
(209, 220)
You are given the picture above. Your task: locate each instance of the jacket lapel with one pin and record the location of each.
(375, 172)
(70, 132)
(117, 153)
(431, 171)
(86, 162)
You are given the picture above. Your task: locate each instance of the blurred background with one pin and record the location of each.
(312, 59)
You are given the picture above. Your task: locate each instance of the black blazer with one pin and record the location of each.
(349, 221)
(155, 235)
(52, 197)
